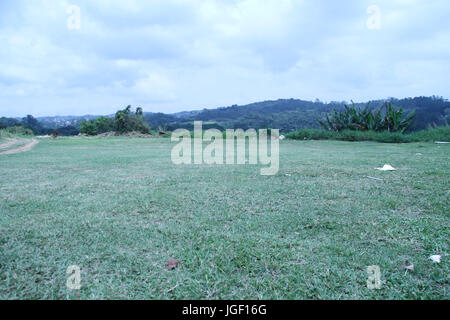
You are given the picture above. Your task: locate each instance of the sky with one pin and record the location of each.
(80, 57)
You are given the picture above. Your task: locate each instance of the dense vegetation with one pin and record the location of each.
(15, 131)
(432, 134)
(97, 126)
(292, 115)
(387, 118)
(386, 124)
(31, 125)
(124, 121)
(286, 114)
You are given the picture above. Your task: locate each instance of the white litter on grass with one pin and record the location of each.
(387, 167)
(282, 137)
(442, 142)
(436, 258)
(419, 154)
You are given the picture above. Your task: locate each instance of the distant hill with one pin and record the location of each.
(292, 114)
(63, 121)
(284, 114)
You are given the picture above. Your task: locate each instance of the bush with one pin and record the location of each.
(433, 134)
(126, 121)
(68, 131)
(390, 119)
(16, 131)
(98, 126)
(311, 134)
(123, 122)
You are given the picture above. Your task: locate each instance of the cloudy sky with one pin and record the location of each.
(174, 55)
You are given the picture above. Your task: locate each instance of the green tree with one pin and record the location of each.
(126, 121)
(89, 127)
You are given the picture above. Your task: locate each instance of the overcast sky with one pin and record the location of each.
(175, 55)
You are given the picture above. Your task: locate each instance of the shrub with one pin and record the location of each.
(432, 134)
(310, 134)
(356, 119)
(16, 131)
(97, 126)
(124, 121)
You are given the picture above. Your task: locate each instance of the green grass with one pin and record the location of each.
(119, 209)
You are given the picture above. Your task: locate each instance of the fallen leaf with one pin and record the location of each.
(436, 258)
(409, 266)
(172, 264)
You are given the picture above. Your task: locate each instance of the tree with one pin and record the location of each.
(89, 127)
(32, 123)
(124, 121)
(127, 121)
(8, 122)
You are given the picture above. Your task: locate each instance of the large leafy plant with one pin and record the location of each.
(386, 118)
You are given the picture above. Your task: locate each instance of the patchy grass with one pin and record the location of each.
(119, 209)
(11, 143)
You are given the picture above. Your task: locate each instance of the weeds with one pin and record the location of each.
(429, 135)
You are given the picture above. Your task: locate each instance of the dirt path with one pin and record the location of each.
(26, 147)
(8, 143)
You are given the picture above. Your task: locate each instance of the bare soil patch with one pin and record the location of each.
(26, 147)
(8, 144)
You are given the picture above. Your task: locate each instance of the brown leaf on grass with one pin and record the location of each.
(172, 264)
(409, 266)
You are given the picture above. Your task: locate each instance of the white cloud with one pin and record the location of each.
(174, 55)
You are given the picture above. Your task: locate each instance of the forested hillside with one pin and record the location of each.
(291, 114)
(284, 114)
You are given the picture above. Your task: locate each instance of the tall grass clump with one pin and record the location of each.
(429, 135)
(16, 131)
(349, 135)
(432, 134)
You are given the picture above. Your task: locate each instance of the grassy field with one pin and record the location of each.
(119, 209)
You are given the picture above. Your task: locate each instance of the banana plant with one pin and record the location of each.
(386, 118)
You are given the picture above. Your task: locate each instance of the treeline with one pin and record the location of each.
(124, 121)
(31, 126)
(291, 115)
(285, 114)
